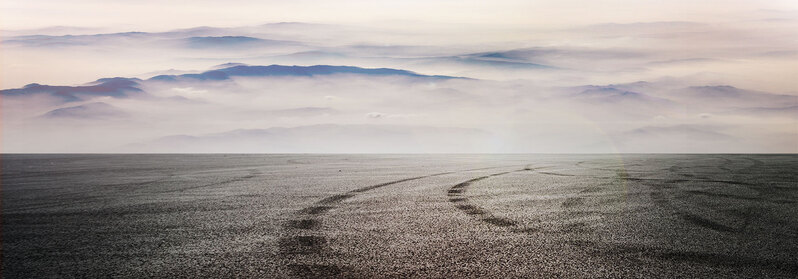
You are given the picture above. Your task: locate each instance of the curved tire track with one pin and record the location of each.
(302, 237)
(457, 197)
(660, 199)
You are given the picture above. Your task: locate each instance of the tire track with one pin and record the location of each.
(747, 215)
(658, 195)
(554, 173)
(660, 199)
(252, 174)
(302, 237)
(725, 167)
(457, 197)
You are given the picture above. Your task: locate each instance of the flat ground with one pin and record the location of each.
(448, 216)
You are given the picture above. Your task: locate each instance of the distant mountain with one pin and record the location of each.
(478, 60)
(518, 57)
(228, 65)
(302, 71)
(327, 138)
(501, 63)
(98, 110)
(717, 91)
(785, 111)
(202, 36)
(696, 132)
(616, 94)
(233, 41)
(114, 87)
(78, 40)
(679, 138)
(120, 87)
(638, 86)
(52, 31)
(726, 95)
(543, 57)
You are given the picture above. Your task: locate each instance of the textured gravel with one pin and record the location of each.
(452, 216)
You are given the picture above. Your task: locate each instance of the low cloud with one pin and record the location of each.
(507, 116)
(666, 86)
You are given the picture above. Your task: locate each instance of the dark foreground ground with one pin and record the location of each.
(453, 216)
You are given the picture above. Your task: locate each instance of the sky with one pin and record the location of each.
(506, 76)
(151, 15)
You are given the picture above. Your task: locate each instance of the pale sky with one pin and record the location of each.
(152, 15)
(544, 76)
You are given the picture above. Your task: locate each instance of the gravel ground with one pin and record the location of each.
(452, 216)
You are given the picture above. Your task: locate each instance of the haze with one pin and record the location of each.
(515, 76)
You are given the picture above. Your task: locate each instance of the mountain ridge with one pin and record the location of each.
(120, 87)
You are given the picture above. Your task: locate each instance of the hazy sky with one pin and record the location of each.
(151, 15)
(544, 76)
